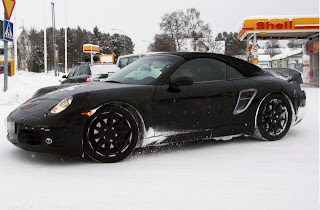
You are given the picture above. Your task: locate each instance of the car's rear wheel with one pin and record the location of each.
(111, 134)
(274, 117)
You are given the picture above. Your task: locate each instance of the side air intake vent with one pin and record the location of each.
(244, 100)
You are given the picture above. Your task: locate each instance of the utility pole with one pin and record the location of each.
(66, 41)
(5, 88)
(15, 42)
(7, 36)
(45, 37)
(55, 53)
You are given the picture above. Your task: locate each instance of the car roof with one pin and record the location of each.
(103, 64)
(96, 64)
(140, 54)
(246, 68)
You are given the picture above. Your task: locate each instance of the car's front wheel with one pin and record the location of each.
(273, 118)
(110, 135)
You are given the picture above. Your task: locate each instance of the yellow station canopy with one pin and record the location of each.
(280, 27)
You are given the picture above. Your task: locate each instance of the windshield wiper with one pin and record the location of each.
(112, 81)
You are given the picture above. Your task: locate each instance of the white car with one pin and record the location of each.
(125, 60)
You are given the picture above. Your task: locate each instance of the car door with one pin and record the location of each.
(244, 112)
(221, 94)
(195, 108)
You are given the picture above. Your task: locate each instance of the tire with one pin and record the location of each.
(110, 135)
(274, 118)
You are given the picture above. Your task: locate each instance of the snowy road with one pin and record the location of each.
(237, 174)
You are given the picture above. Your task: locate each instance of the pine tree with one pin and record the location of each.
(233, 46)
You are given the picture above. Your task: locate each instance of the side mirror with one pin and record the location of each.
(179, 81)
(64, 77)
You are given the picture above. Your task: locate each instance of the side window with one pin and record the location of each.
(123, 62)
(202, 70)
(85, 70)
(71, 73)
(232, 73)
(77, 71)
(132, 59)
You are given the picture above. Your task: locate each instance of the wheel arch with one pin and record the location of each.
(276, 92)
(136, 114)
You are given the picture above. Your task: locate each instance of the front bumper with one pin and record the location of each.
(44, 134)
(34, 139)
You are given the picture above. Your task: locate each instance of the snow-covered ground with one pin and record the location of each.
(22, 86)
(237, 174)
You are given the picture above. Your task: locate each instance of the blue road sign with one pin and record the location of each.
(8, 31)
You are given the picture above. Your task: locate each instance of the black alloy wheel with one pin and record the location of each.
(110, 135)
(274, 117)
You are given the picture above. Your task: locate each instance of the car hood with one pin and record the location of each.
(63, 91)
(46, 98)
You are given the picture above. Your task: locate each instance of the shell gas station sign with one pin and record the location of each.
(279, 28)
(90, 48)
(265, 28)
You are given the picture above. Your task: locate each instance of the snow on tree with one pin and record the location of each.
(233, 46)
(77, 37)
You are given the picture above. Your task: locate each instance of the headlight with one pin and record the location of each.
(62, 105)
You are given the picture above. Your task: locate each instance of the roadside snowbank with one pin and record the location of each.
(22, 86)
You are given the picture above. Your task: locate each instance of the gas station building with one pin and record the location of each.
(285, 28)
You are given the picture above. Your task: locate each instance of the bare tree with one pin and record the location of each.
(294, 43)
(181, 26)
(196, 28)
(272, 48)
(175, 25)
(215, 46)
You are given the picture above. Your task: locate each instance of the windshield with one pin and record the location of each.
(143, 71)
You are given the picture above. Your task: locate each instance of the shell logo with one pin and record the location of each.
(271, 26)
(90, 48)
(279, 25)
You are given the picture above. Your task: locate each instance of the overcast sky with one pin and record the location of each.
(140, 19)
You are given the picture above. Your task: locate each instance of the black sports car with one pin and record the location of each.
(158, 99)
